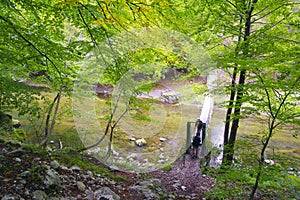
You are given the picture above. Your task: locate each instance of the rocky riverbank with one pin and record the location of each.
(29, 174)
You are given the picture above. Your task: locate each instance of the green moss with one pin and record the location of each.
(69, 139)
(36, 149)
(120, 178)
(71, 158)
(167, 167)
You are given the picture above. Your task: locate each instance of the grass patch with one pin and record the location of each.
(71, 158)
(167, 167)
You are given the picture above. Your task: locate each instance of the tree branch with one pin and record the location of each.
(88, 28)
(268, 13)
(34, 47)
(268, 96)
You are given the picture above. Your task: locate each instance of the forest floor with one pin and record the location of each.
(185, 178)
(183, 181)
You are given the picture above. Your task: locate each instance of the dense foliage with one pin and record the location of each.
(43, 44)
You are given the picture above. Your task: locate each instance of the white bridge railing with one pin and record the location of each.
(213, 139)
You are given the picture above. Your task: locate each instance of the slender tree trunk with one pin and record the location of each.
(228, 116)
(235, 122)
(272, 126)
(230, 104)
(109, 150)
(261, 160)
(229, 147)
(47, 123)
(54, 115)
(109, 126)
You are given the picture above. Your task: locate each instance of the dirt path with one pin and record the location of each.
(185, 180)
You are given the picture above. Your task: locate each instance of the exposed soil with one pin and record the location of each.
(185, 178)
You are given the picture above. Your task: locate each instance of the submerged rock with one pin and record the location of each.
(141, 142)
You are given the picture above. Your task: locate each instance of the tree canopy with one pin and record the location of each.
(44, 46)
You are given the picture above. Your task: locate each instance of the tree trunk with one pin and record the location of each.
(47, 123)
(236, 114)
(228, 116)
(261, 160)
(229, 143)
(229, 110)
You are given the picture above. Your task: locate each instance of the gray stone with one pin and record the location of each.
(52, 178)
(114, 168)
(66, 178)
(10, 197)
(151, 189)
(103, 193)
(54, 198)
(114, 153)
(132, 156)
(161, 161)
(75, 168)
(161, 156)
(39, 195)
(19, 186)
(111, 182)
(90, 174)
(54, 164)
(80, 186)
(27, 192)
(25, 173)
(141, 142)
(64, 168)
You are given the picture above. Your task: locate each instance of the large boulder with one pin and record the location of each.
(52, 179)
(39, 195)
(170, 97)
(104, 193)
(151, 189)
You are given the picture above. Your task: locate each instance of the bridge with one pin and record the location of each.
(210, 139)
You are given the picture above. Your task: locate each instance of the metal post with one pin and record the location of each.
(203, 137)
(203, 132)
(188, 137)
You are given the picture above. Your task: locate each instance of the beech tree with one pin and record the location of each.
(42, 43)
(239, 27)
